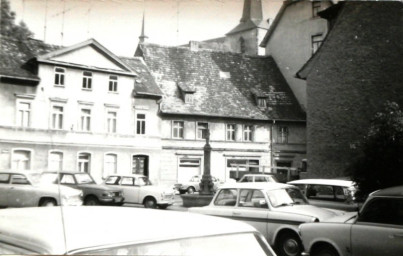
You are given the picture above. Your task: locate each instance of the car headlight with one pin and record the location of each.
(314, 219)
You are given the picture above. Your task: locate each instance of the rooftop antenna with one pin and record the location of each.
(46, 21)
(62, 13)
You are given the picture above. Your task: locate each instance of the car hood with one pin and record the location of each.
(64, 190)
(308, 210)
(342, 218)
(97, 187)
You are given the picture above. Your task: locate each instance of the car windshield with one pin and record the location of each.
(286, 197)
(228, 244)
(84, 178)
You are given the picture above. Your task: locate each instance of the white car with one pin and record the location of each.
(275, 209)
(101, 230)
(329, 193)
(258, 178)
(376, 231)
(137, 189)
(24, 189)
(193, 185)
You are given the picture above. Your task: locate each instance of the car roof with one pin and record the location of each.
(260, 174)
(127, 175)
(19, 171)
(392, 192)
(257, 185)
(70, 172)
(330, 182)
(41, 228)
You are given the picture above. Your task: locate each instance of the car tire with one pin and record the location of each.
(91, 200)
(289, 244)
(163, 206)
(191, 190)
(150, 202)
(48, 202)
(325, 251)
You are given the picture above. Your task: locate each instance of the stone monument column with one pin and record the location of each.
(206, 184)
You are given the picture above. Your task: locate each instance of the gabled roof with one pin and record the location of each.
(14, 55)
(220, 96)
(47, 58)
(355, 32)
(144, 84)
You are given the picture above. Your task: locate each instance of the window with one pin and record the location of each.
(84, 162)
(85, 120)
(4, 178)
(110, 165)
(140, 124)
(252, 198)
(87, 80)
(383, 211)
(237, 167)
(67, 179)
(111, 121)
(139, 165)
(202, 129)
(55, 161)
(230, 132)
(316, 42)
(282, 135)
(262, 102)
(59, 76)
(242, 46)
(24, 114)
(21, 160)
(247, 132)
(189, 97)
(315, 8)
(57, 117)
(226, 197)
(113, 83)
(177, 129)
(19, 179)
(127, 181)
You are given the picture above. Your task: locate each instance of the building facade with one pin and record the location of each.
(294, 36)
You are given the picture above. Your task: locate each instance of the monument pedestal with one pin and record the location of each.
(196, 200)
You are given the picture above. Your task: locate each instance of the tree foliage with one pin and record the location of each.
(8, 26)
(380, 164)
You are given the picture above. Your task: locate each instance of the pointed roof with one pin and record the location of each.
(125, 69)
(252, 17)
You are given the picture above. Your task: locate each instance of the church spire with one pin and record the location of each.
(252, 10)
(142, 37)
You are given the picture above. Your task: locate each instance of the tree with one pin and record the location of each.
(8, 26)
(380, 163)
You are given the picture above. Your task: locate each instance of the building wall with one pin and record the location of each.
(290, 43)
(252, 39)
(40, 138)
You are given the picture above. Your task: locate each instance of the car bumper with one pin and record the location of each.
(114, 200)
(72, 201)
(304, 254)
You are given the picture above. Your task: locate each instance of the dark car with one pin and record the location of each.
(94, 194)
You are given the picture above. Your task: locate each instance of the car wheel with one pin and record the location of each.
(325, 251)
(91, 200)
(48, 202)
(150, 202)
(191, 190)
(289, 244)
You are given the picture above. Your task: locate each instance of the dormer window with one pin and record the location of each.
(187, 92)
(262, 102)
(188, 97)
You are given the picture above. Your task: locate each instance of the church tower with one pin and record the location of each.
(247, 35)
(142, 37)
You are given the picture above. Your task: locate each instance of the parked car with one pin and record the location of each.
(24, 189)
(329, 193)
(94, 194)
(376, 230)
(275, 209)
(258, 178)
(193, 185)
(101, 230)
(138, 189)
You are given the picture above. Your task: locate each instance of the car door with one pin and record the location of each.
(130, 190)
(379, 228)
(4, 187)
(21, 193)
(224, 203)
(252, 208)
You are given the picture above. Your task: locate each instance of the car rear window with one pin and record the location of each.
(4, 178)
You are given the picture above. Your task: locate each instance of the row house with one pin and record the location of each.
(242, 100)
(78, 108)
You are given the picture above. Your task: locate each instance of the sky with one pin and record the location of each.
(116, 24)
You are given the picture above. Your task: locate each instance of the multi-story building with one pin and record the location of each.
(76, 108)
(356, 70)
(294, 36)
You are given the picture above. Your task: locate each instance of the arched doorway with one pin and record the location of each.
(140, 165)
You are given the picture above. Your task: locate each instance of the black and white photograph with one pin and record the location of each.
(201, 127)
